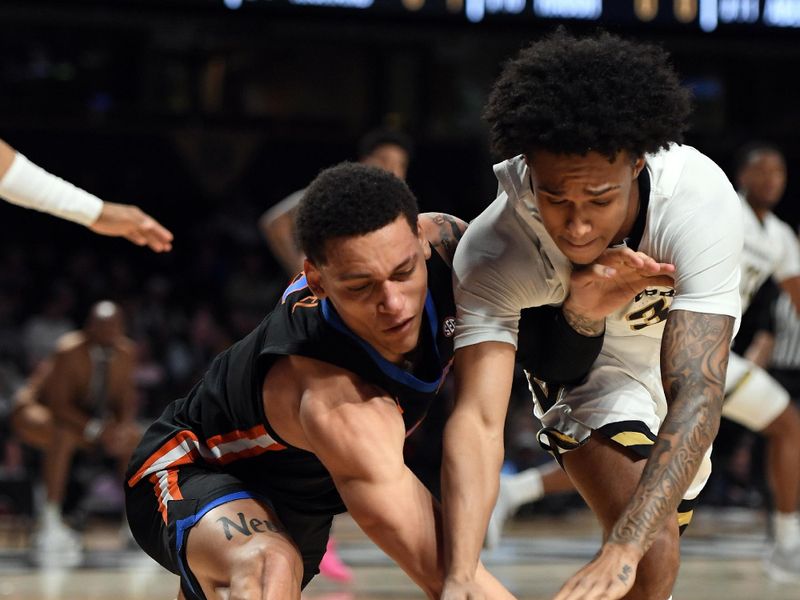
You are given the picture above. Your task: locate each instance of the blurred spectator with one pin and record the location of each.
(81, 399)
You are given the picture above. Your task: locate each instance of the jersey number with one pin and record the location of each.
(649, 315)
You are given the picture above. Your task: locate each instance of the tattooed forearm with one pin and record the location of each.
(583, 325)
(694, 359)
(449, 230)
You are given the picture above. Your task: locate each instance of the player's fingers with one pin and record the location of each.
(591, 273)
(159, 238)
(569, 590)
(666, 267)
(137, 238)
(658, 280)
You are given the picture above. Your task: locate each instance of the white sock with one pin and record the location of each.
(524, 487)
(787, 529)
(51, 516)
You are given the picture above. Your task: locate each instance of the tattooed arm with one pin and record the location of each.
(694, 359)
(443, 232)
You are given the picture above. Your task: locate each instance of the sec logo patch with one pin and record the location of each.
(449, 327)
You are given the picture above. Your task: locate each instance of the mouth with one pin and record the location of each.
(401, 327)
(578, 246)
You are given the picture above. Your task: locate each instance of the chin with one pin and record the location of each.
(580, 258)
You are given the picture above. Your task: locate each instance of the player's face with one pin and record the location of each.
(389, 157)
(763, 179)
(585, 201)
(378, 283)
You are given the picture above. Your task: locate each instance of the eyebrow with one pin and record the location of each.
(597, 191)
(349, 276)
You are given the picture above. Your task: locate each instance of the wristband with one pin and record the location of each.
(28, 185)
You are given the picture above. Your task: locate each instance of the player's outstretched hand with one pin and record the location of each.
(130, 222)
(608, 577)
(461, 590)
(613, 280)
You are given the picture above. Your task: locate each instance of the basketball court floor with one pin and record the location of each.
(722, 561)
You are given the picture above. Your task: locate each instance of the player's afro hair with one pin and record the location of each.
(570, 95)
(351, 199)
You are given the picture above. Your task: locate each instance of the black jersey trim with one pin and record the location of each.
(637, 231)
(390, 370)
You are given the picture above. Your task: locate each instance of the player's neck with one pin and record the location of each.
(761, 212)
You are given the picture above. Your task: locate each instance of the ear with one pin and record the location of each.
(638, 165)
(314, 278)
(423, 239)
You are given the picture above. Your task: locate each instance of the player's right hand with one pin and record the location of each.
(130, 222)
(613, 280)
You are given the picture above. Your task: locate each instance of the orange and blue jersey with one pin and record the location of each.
(221, 422)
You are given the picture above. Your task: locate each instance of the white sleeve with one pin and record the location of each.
(494, 278)
(789, 266)
(26, 184)
(704, 241)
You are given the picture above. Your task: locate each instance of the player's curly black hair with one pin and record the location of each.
(350, 199)
(571, 95)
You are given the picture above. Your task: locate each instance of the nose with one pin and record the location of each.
(392, 300)
(578, 225)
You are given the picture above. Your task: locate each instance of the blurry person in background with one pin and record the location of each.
(753, 398)
(386, 149)
(25, 184)
(80, 399)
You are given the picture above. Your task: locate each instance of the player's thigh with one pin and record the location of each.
(242, 536)
(606, 475)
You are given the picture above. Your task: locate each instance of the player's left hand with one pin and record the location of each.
(608, 577)
(613, 280)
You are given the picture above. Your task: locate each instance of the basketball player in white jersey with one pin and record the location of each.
(752, 397)
(591, 129)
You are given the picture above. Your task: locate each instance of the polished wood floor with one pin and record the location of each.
(722, 561)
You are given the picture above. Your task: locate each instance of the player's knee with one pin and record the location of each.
(268, 566)
(658, 568)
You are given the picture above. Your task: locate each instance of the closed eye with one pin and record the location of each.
(405, 274)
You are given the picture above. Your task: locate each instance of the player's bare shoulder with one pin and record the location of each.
(302, 394)
(443, 233)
